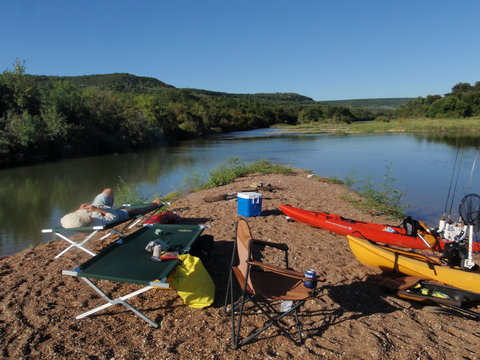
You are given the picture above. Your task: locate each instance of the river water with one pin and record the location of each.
(35, 197)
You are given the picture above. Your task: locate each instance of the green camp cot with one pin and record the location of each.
(126, 260)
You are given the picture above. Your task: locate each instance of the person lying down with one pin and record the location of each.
(100, 212)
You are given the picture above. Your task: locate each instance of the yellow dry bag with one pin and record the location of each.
(193, 283)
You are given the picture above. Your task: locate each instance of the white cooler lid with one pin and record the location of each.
(249, 195)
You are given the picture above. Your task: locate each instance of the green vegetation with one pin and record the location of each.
(317, 128)
(386, 103)
(383, 124)
(468, 125)
(462, 102)
(126, 193)
(171, 197)
(109, 82)
(329, 180)
(382, 200)
(234, 168)
(231, 170)
(49, 117)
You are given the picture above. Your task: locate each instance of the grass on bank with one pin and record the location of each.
(375, 206)
(470, 125)
(126, 193)
(231, 170)
(378, 200)
(463, 125)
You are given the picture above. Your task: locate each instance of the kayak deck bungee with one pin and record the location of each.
(403, 262)
(385, 234)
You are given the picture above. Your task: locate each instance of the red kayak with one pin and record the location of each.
(420, 238)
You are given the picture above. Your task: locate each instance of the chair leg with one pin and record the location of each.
(235, 307)
(273, 321)
(236, 330)
(229, 284)
(231, 311)
(298, 325)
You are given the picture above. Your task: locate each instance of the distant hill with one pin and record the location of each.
(274, 97)
(121, 82)
(381, 103)
(124, 82)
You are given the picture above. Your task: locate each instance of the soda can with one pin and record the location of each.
(310, 279)
(157, 249)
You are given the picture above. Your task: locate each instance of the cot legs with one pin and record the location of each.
(120, 300)
(75, 244)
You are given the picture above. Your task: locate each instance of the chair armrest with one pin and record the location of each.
(276, 269)
(283, 247)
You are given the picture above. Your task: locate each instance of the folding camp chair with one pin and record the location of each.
(127, 261)
(91, 231)
(263, 284)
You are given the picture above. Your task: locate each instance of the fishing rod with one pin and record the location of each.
(471, 175)
(456, 182)
(451, 182)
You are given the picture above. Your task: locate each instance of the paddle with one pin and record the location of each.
(220, 197)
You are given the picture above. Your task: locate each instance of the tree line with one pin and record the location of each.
(49, 117)
(463, 101)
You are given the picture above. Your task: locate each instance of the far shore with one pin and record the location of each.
(464, 126)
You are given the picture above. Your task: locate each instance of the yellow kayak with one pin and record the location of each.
(407, 263)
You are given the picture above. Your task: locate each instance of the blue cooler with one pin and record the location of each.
(249, 204)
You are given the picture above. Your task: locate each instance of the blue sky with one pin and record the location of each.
(324, 49)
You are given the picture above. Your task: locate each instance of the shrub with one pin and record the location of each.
(231, 170)
(378, 200)
(382, 118)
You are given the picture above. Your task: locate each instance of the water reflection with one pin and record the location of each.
(461, 141)
(35, 197)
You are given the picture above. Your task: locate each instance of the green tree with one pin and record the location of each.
(18, 91)
(448, 107)
(27, 129)
(310, 114)
(66, 99)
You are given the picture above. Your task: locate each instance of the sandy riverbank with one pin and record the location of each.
(350, 319)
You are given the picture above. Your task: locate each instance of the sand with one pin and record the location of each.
(351, 318)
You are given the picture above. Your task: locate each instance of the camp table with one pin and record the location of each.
(126, 260)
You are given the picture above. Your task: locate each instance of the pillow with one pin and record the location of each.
(78, 218)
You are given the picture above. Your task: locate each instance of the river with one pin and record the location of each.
(35, 197)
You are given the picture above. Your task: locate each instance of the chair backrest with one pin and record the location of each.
(243, 244)
(244, 237)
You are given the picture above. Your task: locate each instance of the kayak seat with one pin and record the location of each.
(410, 225)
